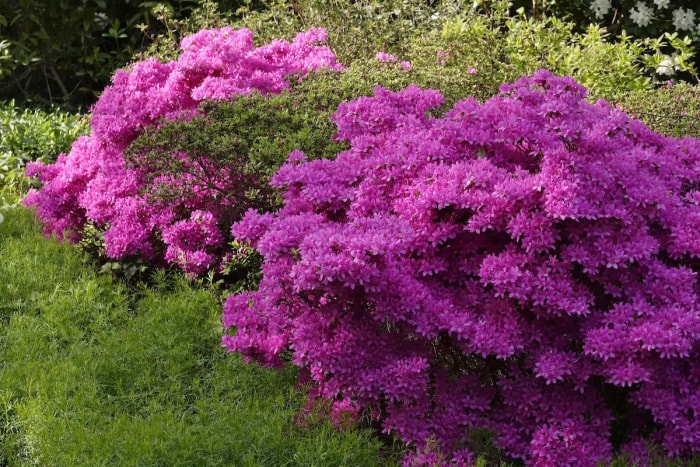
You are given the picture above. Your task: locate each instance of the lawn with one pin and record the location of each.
(94, 371)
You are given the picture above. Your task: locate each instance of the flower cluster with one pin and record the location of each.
(188, 241)
(684, 19)
(642, 14)
(527, 266)
(93, 183)
(601, 7)
(388, 58)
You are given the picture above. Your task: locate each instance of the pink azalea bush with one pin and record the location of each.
(93, 183)
(526, 266)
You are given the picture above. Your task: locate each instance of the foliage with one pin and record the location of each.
(94, 373)
(671, 54)
(250, 136)
(486, 38)
(30, 135)
(360, 29)
(527, 265)
(672, 109)
(667, 20)
(518, 46)
(356, 29)
(640, 18)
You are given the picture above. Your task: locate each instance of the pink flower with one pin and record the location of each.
(385, 57)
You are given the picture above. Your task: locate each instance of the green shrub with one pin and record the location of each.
(356, 29)
(605, 68)
(484, 37)
(260, 130)
(650, 21)
(29, 135)
(673, 109)
(505, 48)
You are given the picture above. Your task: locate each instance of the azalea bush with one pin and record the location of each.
(93, 186)
(526, 266)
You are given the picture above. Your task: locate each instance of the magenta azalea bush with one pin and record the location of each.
(527, 266)
(93, 183)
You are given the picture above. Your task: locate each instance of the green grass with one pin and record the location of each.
(93, 372)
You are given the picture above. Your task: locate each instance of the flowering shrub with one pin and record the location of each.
(526, 266)
(93, 183)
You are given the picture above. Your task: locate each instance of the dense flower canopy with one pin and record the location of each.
(527, 265)
(93, 183)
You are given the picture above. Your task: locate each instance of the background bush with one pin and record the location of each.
(356, 29)
(30, 135)
(486, 37)
(672, 109)
(640, 19)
